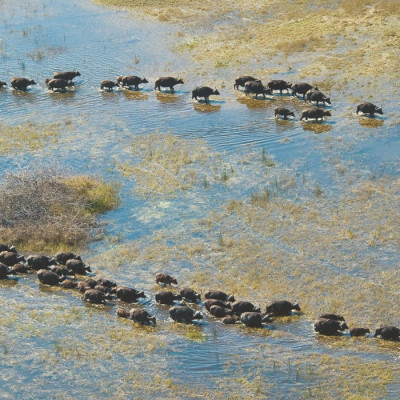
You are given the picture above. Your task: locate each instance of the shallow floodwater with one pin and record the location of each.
(53, 346)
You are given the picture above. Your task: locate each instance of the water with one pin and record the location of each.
(55, 346)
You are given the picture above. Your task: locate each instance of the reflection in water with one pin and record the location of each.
(206, 107)
(252, 102)
(61, 96)
(316, 127)
(284, 124)
(370, 122)
(135, 95)
(165, 97)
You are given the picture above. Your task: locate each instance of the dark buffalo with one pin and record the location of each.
(190, 295)
(359, 331)
(37, 262)
(60, 270)
(83, 286)
(141, 316)
(48, 277)
(121, 312)
(10, 258)
(329, 327)
(67, 75)
(108, 84)
(335, 317)
(106, 282)
(77, 266)
(2, 84)
(388, 332)
(218, 295)
(240, 307)
(230, 320)
(242, 80)
(214, 302)
(317, 96)
(4, 271)
(282, 308)
(314, 113)
(301, 88)
(129, 295)
(6, 247)
(184, 314)
(283, 112)
(204, 91)
(165, 279)
(21, 83)
(19, 269)
(280, 85)
(107, 291)
(131, 80)
(60, 84)
(369, 108)
(256, 87)
(69, 284)
(167, 297)
(254, 319)
(63, 257)
(94, 296)
(167, 81)
(220, 312)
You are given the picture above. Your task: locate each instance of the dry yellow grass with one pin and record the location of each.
(29, 137)
(164, 164)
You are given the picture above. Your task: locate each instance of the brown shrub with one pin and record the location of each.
(40, 208)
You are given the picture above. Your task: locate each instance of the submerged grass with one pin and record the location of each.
(27, 138)
(165, 164)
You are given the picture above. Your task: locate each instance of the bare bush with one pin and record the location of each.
(39, 207)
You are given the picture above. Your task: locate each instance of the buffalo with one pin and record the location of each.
(204, 91)
(254, 319)
(242, 80)
(129, 295)
(218, 295)
(317, 96)
(284, 112)
(167, 81)
(256, 87)
(279, 85)
(48, 277)
(165, 279)
(190, 295)
(301, 88)
(60, 84)
(282, 308)
(369, 108)
(109, 85)
(329, 327)
(184, 314)
(94, 296)
(131, 80)
(314, 113)
(388, 332)
(67, 75)
(167, 298)
(21, 83)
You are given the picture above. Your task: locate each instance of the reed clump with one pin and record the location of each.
(46, 208)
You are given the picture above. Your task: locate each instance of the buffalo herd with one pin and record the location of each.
(252, 86)
(69, 271)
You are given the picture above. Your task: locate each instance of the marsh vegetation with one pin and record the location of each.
(222, 196)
